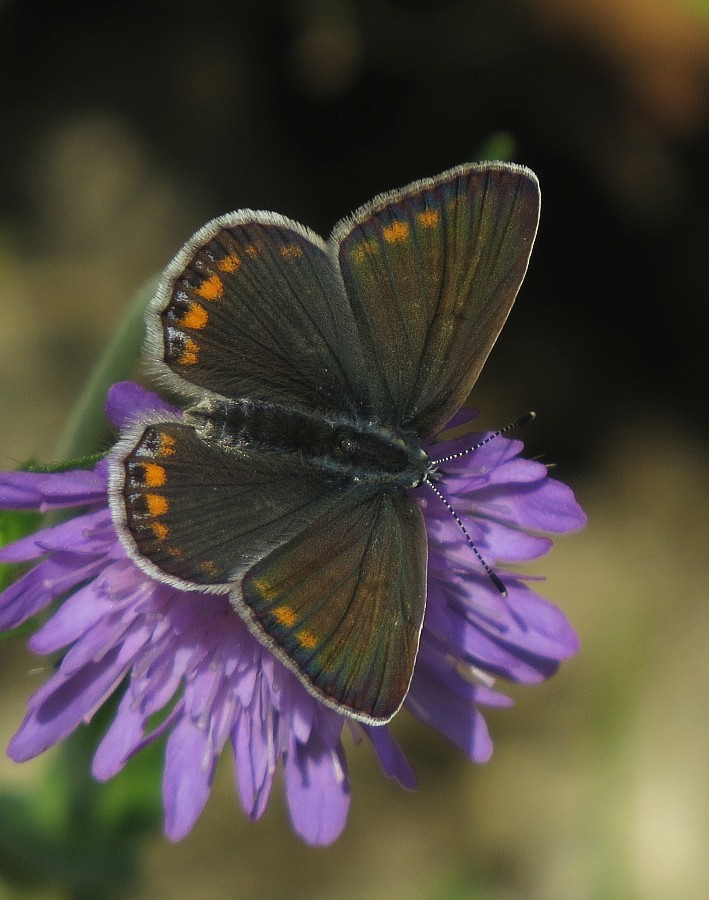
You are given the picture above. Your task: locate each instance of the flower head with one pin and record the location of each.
(187, 658)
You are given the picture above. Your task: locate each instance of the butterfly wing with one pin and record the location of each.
(254, 306)
(432, 272)
(395, 318)
(331, 578)
(198, 514)
(342, 603)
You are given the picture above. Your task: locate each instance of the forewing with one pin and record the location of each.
(342, 603)
(199, 514)
(254, 306)
(432, 272)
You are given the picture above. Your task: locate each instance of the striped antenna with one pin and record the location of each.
(522, 420)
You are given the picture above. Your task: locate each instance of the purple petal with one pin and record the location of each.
(187, 782)
(126, 735)
(464, 416)
(391, 756)
(63, 703)
(51, 490)
(501, 633)
(452, 633)
(38, 587)
(452, 715)
(128, 634)
(253, 741)
(497, 541)
(540, 627)
(76, 616)
(464, 681)
(87, 534)
(435, 447)
(302, 707)
(202, 691)
(128, 401)
(517, 472)
(317, 790)
(548, 505)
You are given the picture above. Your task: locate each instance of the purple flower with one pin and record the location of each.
(188, 656)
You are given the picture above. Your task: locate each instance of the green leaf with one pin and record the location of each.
(15, 524)
(82, 462)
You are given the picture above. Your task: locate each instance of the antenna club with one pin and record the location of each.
(498, 583)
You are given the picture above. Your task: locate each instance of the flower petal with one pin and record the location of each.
(317, 790)
(522, 636)
(74, 618)
(124, 733)
(187, 781)
(450, 714)
(547, 505)
(127, 401)
(51, 490)
(193, 662)
(63, 703)
(38, 587)
(255, 756)
(89, 534)
(391, 756)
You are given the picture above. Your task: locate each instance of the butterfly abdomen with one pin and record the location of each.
(340, 446)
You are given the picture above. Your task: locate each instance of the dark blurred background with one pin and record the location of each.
(126, 125)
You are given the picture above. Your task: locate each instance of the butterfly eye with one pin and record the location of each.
(347, 445)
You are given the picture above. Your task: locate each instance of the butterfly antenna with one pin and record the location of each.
(522, 420)
(491, 575)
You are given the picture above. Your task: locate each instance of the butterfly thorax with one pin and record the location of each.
(360, 450)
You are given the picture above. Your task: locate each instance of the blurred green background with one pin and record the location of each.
(126, 125)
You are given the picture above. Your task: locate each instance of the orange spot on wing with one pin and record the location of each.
(167, 444)
(190, 353)
(265, 588)
(252, 250)
(195, 317)
(230, 263)
(209, 567)
(361, 252)
(157, 504)
(428, 218)
(212, 288)
(291, 251)
(155, 475)
(160, 530)
(285, 615)
(396, 232)
(307, 639)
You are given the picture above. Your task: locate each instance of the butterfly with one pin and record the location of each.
(311, 372)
